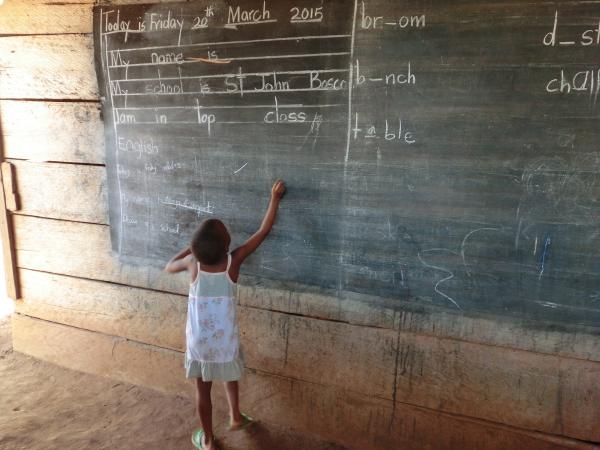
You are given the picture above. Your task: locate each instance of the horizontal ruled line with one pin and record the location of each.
(268, 123)
(306, 21)
(243, 58)
(195, 122)
(237, 75)
(237, 24)
(243, 122)
(238, 92)
(248, 41)
(297, 105)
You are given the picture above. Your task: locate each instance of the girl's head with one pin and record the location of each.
(210, 242)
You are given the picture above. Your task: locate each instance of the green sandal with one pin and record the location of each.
(198, 439)
(246, 422)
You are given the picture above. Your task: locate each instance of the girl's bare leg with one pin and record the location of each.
(232, 390)
(204, 408)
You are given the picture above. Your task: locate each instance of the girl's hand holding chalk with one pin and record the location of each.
(278, 190)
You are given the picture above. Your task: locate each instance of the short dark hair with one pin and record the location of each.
(210, 242)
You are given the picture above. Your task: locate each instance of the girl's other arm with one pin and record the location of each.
(180, 262)
(242, 252)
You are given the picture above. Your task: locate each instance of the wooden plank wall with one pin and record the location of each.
(349, 370)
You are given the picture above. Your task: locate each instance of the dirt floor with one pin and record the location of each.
(43, 406)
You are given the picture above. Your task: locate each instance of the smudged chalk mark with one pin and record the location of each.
(548, 304)
(271, 269)
(518, 235)
(402, 279)
(449, 277)
(544, 255)
(240, 168)
(464, 241)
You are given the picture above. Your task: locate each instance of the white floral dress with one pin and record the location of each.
(212, 337)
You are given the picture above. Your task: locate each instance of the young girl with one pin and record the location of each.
(212, 341)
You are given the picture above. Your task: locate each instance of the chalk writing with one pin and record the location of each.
(574, 81)
(371, 22)
(587, 81)
(392, 131)
(300, 15)
(400, 132)
(238, 16)
(140, 146)
(188, 204)
(589, 36)
(170, 228)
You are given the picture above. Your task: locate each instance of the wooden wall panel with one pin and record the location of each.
(45, 17)
(362, 359)
(486, 382)
(580, 406)
(151, 317)
(62, 191)
(100, 354)
(83, 250)
(304, 348)
(47, 67)
(452, 375)
(52, 131)
(352, 419)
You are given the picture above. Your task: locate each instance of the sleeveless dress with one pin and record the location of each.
(213, 350)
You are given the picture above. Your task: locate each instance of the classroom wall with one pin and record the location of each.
(344, 368)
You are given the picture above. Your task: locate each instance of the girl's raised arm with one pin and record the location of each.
(180, 262)
(242, 252)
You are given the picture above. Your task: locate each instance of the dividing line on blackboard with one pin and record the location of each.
(241, 58)
(237, 74)
(204, 93)
(248, 41)
(221, 122)
(114, 123)
(348, 135)
(351, 69)
(297, 105)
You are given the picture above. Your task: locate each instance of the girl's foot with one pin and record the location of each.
(244, 422)
(201, 441)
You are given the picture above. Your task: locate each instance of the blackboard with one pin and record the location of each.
(435, 152)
